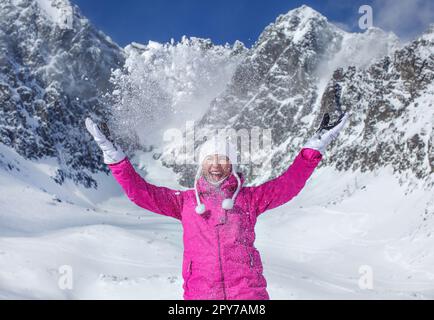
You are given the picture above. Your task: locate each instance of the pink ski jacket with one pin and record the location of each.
(220, 259)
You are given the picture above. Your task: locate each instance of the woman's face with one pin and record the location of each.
(216, 167)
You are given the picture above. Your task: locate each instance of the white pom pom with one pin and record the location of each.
(200, 208)
(227, 204)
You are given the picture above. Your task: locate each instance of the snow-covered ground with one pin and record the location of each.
(312, 247)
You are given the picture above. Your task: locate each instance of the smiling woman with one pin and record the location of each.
(217, 160)
(221, 163)
(216, 168)
(220, 259)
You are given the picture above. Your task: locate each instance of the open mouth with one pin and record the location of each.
(216, 175)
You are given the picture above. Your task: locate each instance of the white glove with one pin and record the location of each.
(326, 133)
(112, 153)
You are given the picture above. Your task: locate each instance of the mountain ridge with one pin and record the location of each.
(290, 76)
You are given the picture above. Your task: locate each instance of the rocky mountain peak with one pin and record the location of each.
(54, 65)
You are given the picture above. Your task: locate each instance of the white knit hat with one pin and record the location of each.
(220, 146)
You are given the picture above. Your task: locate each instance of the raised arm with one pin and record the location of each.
(283, 188)
(157, 199)
(160, 200)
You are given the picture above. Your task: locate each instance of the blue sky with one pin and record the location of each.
(229, 20)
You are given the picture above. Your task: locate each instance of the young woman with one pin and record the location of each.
(219, 214)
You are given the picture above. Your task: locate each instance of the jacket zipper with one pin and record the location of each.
(189, 267)
(220, 262)
(189, 272)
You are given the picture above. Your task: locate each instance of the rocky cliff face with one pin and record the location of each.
(391, 103)
(54, 65)
(289, 78)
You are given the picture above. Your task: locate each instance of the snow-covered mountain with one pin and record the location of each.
(54, 66)
(281, 83)
(58, 68)
(369, 204)
(393, 113)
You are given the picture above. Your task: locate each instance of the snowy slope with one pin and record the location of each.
(315, 245)
(312, 247)
(114, 248)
